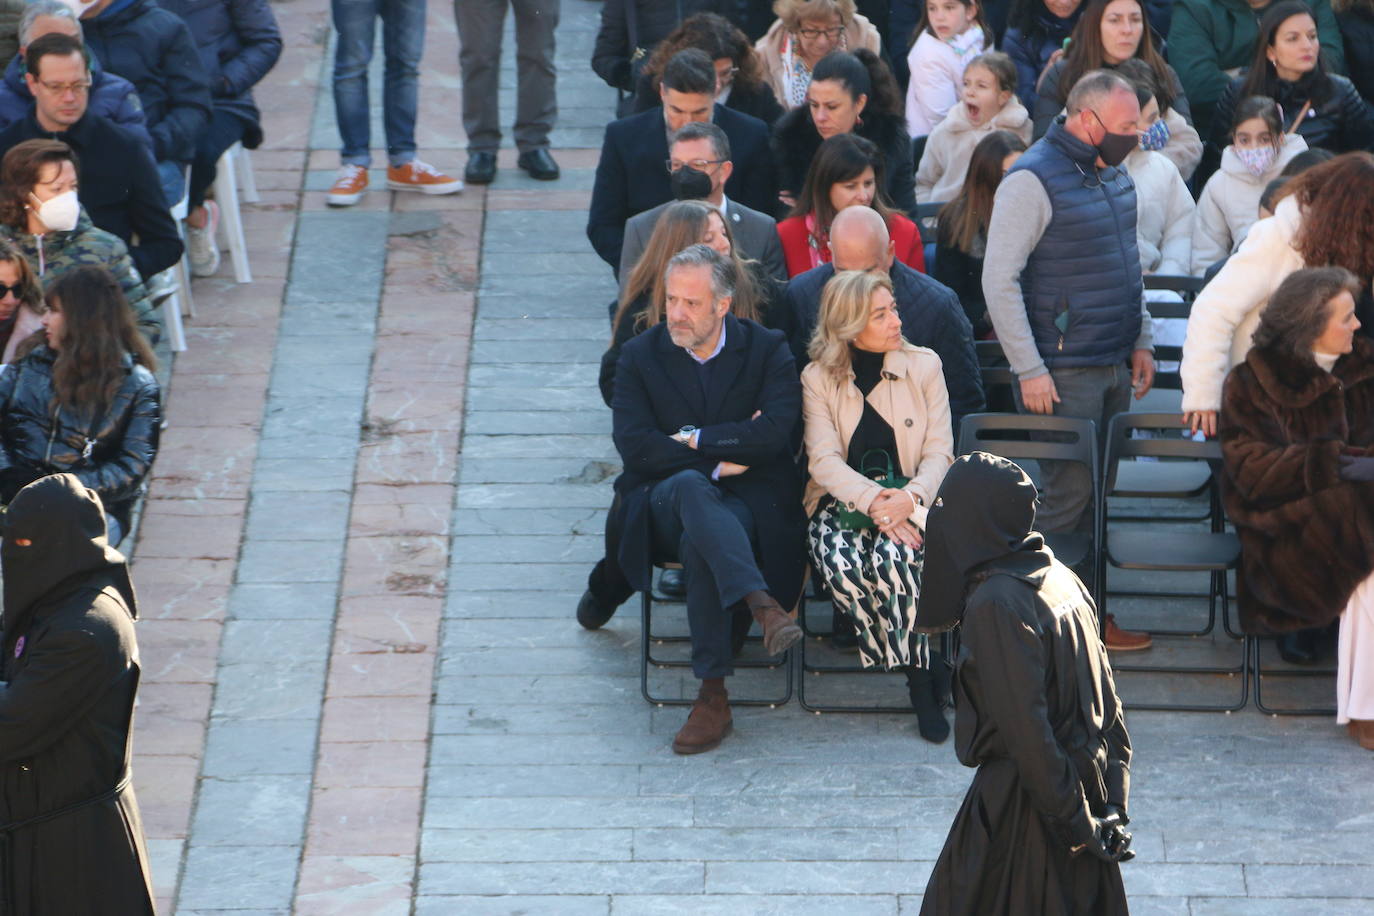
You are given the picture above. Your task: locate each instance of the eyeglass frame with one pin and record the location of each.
(692, 163)
(812, 34)
(80, 88)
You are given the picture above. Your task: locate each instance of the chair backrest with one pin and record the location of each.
(1171, 355)
(1032, 436)
(992, 364)
(1176, 446)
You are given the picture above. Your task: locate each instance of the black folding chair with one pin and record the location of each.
(1255, 646)
(1215, 551)
(1045, 438)
(998, 379)
(649, 639)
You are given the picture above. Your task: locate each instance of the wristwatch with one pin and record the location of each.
(685, 434)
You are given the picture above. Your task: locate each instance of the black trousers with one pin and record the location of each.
(607, 582)
(712, 534)
(224, 131)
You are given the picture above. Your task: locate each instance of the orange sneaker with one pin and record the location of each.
(349, 187)
(423, 177)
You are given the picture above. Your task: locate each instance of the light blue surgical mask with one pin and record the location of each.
(1157, 137)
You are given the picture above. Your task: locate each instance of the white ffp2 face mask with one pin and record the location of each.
(59, 213)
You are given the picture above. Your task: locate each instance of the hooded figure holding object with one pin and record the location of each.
(71, 841)
(1040, 830)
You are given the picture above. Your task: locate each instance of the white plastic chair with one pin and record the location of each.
(235, 170)
(174, 304)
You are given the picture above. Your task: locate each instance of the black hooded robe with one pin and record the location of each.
(1037, 711)
(71, 842)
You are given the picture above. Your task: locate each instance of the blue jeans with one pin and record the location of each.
(403, 43)
(172, 176)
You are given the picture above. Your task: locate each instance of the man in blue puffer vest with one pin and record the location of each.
(1063, 284)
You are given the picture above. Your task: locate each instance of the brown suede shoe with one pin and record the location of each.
(1119, 640)
(1362, 730)
(779, 630)
(707, 725)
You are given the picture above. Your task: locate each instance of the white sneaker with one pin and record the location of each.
(202, 245)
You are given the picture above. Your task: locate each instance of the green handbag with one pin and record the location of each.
(853, 519)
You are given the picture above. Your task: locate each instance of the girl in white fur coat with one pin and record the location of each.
(951, 33)
(988, 103)
(1229, 204)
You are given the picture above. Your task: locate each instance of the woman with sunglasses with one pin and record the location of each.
(41, 217)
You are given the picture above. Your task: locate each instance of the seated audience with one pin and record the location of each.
(631, 29)
(633, 173)
(684, 223)
(117, 180)
(740, 85)
(1164, 208)
(1356, 21)
(1035, 40)
(21, 308)
(931, 315)
(152, 48)
(700, 166)
(1289, 67)
(963, 226)
(239, 43)
(1324, 218)
(1108, 33)
(873, 402)
(950, 34)
(849, 93)
(111, 96)
(1211, 41)
(803, 34)
(41, 216)
(1259, 150)
(988, 104)
(84, 399)
(1163, 130)
(704, 413)
(847, 171)
(1297, 441)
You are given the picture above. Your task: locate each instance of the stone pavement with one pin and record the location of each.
(380, 492)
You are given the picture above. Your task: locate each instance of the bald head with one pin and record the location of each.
(859, 240)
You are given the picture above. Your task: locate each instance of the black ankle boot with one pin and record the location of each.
(1299, 647)
(930, 718)
(943, 679)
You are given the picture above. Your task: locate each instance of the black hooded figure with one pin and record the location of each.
(1039, 832)
(71, 841)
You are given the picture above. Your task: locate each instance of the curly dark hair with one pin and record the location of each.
(1299, 309)
(718, 37)
(21, 169)
(1337, 203)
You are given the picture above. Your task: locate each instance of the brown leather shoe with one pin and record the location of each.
(1362, 730)
(1119, 640)
(707, 724)
(779, 630)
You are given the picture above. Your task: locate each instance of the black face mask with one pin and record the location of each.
(691, 184)
(1114, 148)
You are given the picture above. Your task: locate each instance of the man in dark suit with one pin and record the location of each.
(699, 157)
(704, 410)
(931, 314)
(118, 181)
(632, 175)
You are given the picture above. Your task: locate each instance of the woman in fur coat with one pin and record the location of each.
(1297, 439)
(849, 93)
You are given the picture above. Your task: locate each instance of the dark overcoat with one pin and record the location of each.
(1307, 537)
(71, 841)
(1036, 708)
(658, 391)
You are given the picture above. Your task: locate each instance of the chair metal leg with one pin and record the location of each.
(1253, 645)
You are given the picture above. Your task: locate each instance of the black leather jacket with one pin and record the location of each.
(111, 454)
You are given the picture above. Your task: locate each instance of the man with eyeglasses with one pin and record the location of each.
(117, 181)
(1064, 286)
(698, 167)
(631, 176)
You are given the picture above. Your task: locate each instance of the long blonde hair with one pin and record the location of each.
(682, 224)
(846, 306)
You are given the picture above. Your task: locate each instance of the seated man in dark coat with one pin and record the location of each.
(73, 839)
(1040, 830)
(632, 174)
(931, 314)
(704, 412)
(117, 181)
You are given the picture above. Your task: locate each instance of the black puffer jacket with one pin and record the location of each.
(1342, 122)
(795, 142)
(110, 454)
(631, 26)
(1357, 31)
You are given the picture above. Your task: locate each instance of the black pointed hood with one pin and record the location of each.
(65, 525)
(983, 520)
